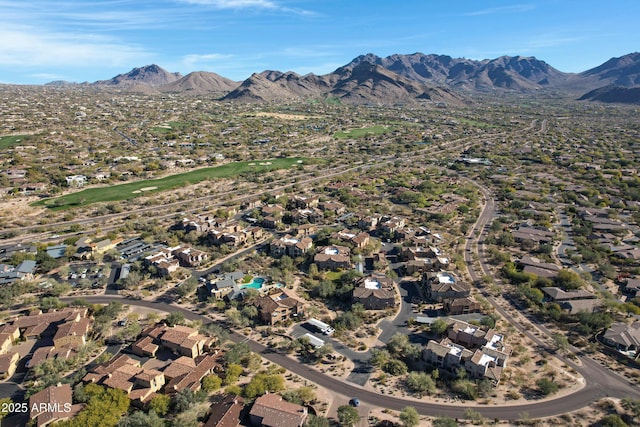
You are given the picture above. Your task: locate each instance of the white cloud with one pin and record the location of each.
(516, 8)
(235, 4)
(197, 60)
(250, 4)
(30, 47)
(47, 76)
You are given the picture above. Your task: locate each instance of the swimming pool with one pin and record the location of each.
(255, 283)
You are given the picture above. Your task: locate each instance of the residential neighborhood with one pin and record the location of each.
(290, 273)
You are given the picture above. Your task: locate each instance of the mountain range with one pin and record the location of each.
(399, 79)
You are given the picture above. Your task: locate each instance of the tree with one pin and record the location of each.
(233, 389)
(379, 357)
(183, 400)
(324, 351)
(473, 415)
(421, 383)
(445, 422)
(409, 417)
(567, 279)
(236, 352)
(249, 312)
(60, 289)
(314, 273)
(175, 318)
(547, 386)
(187, 287)
(466, 388)
(211, 383)
(232, 373)
(301, 396)
(140, 419)
(160, 404)
(438, 327)
(236, 317)
(132, 280)
(561, 341)
(286, 263)
(395, 367)
(317, 421)
(152, 317)
(485, 387)
(612, 420)
(7, 401)
(631, 405)
(105, 408)
(326, 289)
(397, 344)
(48, 303)
(45, 262)
(250, 295)
(348, 416)
(262, 383)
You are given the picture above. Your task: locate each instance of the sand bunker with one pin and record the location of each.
(144, 189)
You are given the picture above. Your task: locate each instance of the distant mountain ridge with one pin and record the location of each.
(396, 78)
(152, 75)
(201, 82)
(513, 73)
(613, 94)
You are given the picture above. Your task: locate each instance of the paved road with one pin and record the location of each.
(398, 325)
(600, 382)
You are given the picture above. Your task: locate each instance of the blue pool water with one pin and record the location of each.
(255, 283)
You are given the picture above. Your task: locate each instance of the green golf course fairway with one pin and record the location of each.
(149, 186)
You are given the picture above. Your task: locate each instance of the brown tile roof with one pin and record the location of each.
(148, 374)
(119, 380)
(39, 356)
(154, 331)
(79, 328)
(142, 394)
(111, 366)
(38, 323)
(8, 329)
(191, 380)
(362, 293)
(35, 330)
(45, 353)
(177, 334)
(189, 342)
(269, 304)
(437, 348)
(6, 360)
(58, 395)
(145, 345)
(558, 294)
(226, 413)
(273, 411)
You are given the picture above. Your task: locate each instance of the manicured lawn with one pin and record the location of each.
(333, 275)
(169, 126)
(476, 123)
(357, 133)
(138, 188)
(10, 141)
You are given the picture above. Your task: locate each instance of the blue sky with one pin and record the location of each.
(74, 40)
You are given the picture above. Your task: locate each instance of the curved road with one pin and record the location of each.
(593, 391)
(600, 381)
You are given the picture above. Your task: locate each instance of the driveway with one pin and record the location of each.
(390, 327)
(361, 371)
